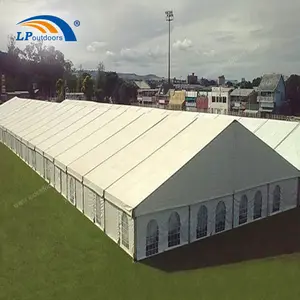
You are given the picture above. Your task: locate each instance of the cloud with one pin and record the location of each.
(94, 46)
(207, 43)
(183, 45)
(109, 53)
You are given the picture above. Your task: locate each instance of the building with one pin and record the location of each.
(219, 100)
(153, 179)
(21, 94)
(271, 93)
(221, 80)
(177, 100)
(242, 99)
(141, 84)
(190, 100)
(192, 79)
(75, 96)
(147, 96)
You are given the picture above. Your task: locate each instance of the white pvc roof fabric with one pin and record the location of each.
(114, 147)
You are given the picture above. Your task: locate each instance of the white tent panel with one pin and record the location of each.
(86, 103)
(252, 124)
(30, 156)
(117, 142)
(40, 164)
(57, 179)
(99, 215)
(98, 137)
(33, 118)
(23, 114)
(227, 117)
(49, 129)
(82, 133)
(60, 125)
(288, 194)
(33, 159)
(162, 220)
(79, 194)
(64, 184)
(12, 107)
(112, 221)
(89, 203)
(290, 148)
(208, 164)
(62, 134)
(168, 161)
(207, 115)
(44, 124)
(50, 172)
(274, 131)
(114, 168)
(71, 189)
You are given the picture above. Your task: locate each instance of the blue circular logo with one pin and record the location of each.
(76, 23)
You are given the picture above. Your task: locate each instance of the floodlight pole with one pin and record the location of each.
(169, 19)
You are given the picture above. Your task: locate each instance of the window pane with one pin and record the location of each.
(257, 205)
(174, 230)
(202, 222)
(125, 235)
(152, 238)
(276, 198)
(220, 217)
(243, 213)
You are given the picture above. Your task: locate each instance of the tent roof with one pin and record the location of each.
(114, 147)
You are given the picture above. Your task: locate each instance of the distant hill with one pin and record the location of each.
(129, 76)
(132, 76)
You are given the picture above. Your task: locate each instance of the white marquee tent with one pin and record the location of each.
(155, 179)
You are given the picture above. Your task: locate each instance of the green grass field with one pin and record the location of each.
(49, 250)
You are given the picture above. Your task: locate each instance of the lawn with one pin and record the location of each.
(49, 250)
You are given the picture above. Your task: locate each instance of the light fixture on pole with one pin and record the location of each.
(169, 18)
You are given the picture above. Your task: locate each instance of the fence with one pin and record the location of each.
(231, 113)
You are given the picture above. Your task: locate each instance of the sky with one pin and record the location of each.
(210, 38)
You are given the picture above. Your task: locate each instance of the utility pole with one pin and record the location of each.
(169, 19)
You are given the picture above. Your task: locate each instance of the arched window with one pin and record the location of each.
(243, 211)
(152, 238)
(202, 222)
(276, 198)
(220, 217)
(257, 205)
(174, 230)
(125, 235)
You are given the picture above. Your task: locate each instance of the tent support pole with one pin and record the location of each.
(189, 225)
(134, 240)
(232, 213)
(298, 192)
(268, 199)
(104, 215)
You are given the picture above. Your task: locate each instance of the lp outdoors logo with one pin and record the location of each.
(51, 27)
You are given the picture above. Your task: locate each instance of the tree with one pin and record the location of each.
(111, 83)
(125, 92)
(293, 93)
(36, 63)
(229, 84)
(12, 49)
(88, 87)
(256, 81)
(100, 82)
(60, 90)
(245, 85)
